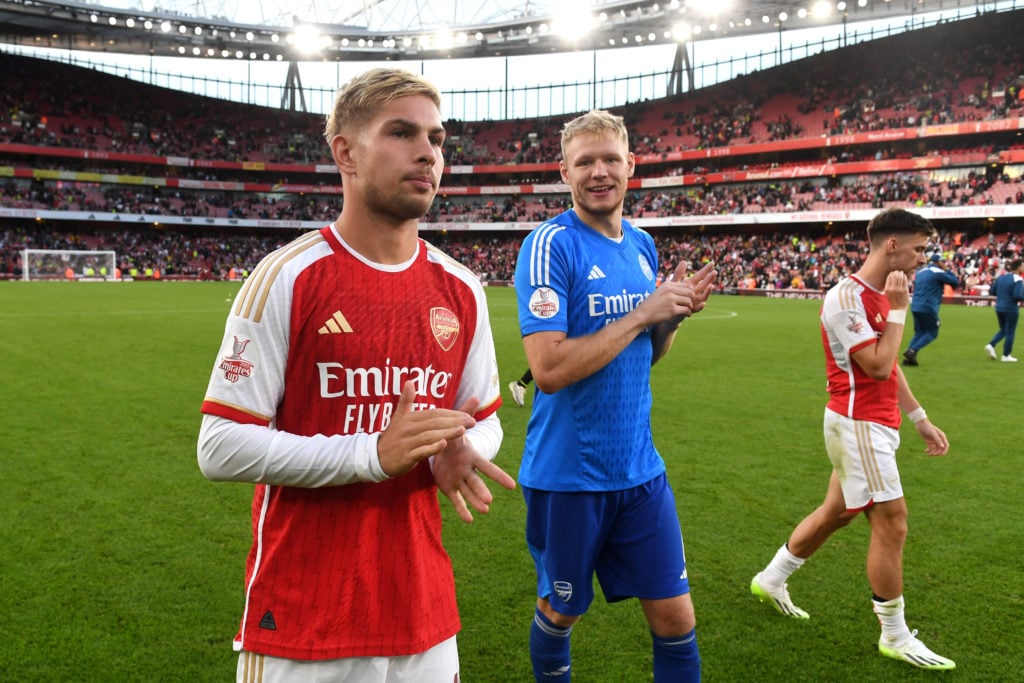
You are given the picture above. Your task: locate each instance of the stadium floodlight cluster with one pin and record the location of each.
(376, 34)
(74, 265)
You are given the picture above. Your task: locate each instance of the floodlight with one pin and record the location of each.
(306, 38)
(572, 20)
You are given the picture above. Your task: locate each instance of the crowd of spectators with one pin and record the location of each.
(957, 72)
(745, 261)
(961, 72)
(179, 254)
(964, 80)
(163, 201)
(910, 190)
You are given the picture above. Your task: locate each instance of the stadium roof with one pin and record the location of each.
(411, 29)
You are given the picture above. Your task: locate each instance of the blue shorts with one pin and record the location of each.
(630, 538)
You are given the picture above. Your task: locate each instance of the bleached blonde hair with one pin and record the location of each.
(361, 98)
(596, 122)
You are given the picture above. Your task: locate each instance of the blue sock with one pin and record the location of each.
(549, 650)
(676, 659)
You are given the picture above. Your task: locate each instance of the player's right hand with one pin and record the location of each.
(414, 435)
(897, 289)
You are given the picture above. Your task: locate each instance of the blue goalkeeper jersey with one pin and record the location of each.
(594, 435)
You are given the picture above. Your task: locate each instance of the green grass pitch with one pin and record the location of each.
(120, 562)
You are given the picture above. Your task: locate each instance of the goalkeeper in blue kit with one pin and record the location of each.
(593, 322)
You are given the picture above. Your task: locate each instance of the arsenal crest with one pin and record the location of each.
(445, 327)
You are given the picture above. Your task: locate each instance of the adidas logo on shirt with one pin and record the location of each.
(595, 273)
(335, 325)
(268, 622)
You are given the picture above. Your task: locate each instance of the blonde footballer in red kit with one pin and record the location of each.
(356, 378)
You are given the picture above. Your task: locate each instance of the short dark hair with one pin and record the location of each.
(1015, 265)
(895, 222)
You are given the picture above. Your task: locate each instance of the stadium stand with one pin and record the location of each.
(764, 174)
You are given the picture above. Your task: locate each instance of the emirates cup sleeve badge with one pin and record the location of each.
(544, 303)
(445, 327)
(234, 366)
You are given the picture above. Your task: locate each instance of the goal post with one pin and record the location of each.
(68, 264)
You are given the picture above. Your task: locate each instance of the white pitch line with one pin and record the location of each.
(714, 314)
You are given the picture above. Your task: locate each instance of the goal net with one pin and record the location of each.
(68, 264)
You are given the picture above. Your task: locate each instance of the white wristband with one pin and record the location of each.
(917, 414)
(897, 317)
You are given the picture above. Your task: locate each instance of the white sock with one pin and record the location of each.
(891, 616)
(781, 567)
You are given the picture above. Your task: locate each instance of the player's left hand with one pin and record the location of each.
(682, 295)
(935, 440)
(701, 283)
(457, 469)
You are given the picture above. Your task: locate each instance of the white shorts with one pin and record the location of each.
(439, 664)
(863, 455)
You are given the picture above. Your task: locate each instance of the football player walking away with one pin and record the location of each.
(593, 322)
(862, 323)
(1008, 289)
(357, 376)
